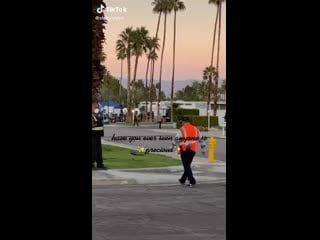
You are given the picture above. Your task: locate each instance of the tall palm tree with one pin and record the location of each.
(212, 54)
(153, 57)
(218, 4)
(208, 73)
(124, 44)
(218, 50)
(158, 6)
(152, 45)
(121, 55)
(167, 6)
(98, 37)
(139, 46)
(177, 6)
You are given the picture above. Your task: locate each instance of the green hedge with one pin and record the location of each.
(178, 124)
(179, 113)
(201, 121)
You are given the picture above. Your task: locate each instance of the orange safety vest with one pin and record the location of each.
(190, 137)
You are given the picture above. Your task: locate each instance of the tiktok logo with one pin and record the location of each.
(100, 9)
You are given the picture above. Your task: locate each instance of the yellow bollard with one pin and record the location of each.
(212, 149)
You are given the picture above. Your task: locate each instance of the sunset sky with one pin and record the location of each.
(193, 38)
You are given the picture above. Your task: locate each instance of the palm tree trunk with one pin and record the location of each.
(158, 24)
(133, 83)
(129, 92)
(217, 64)
(157, 31)
(161, 61)
(147, 81)
(211, 62)
(173, 65)
(151, 88)
(120, 85)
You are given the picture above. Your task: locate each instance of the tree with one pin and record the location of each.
(166, 8)
(223, 89)
(209, 73)
(177, 6)
(158, 7)
(139, 91)
(98, 38)
(152, 45)
(124, 44)
(110, 89)
(121, 55)
(218, 4)
(196, 92)
(223, 86)
(153, 57)
(139, 46)
(162, 94)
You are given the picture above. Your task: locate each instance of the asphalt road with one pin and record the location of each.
(159, 212)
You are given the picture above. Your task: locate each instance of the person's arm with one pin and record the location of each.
(177, 139)
(202, 143)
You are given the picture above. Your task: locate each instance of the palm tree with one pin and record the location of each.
(139, 46)
(208, 73)
(218, 51)
(177, 6)
(98, 70)
(223, 89)
(124, 44)
(158, 8)
(153, 57)
(218, 4)
(121, 55)
(152, 45)
(167, 6)
(159, 5)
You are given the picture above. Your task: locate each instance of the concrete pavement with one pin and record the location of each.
(158, 212)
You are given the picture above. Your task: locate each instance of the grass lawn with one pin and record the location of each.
(118, 158)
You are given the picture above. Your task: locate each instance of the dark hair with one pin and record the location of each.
(186, 119)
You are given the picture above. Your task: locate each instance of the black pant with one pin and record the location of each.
(97, 150)
(135, 122)
(187, 157)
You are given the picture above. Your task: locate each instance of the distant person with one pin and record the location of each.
(159, 121)
(135, 119)
(188, 139)
(97, 133)
(121, 116)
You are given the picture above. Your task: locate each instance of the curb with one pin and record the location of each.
(99, 182)
(154, 170)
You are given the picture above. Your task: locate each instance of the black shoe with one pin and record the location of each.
(181, 182)
(191, 184)
(101, 167)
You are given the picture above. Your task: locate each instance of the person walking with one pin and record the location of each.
(97, 133)
(188, 139)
